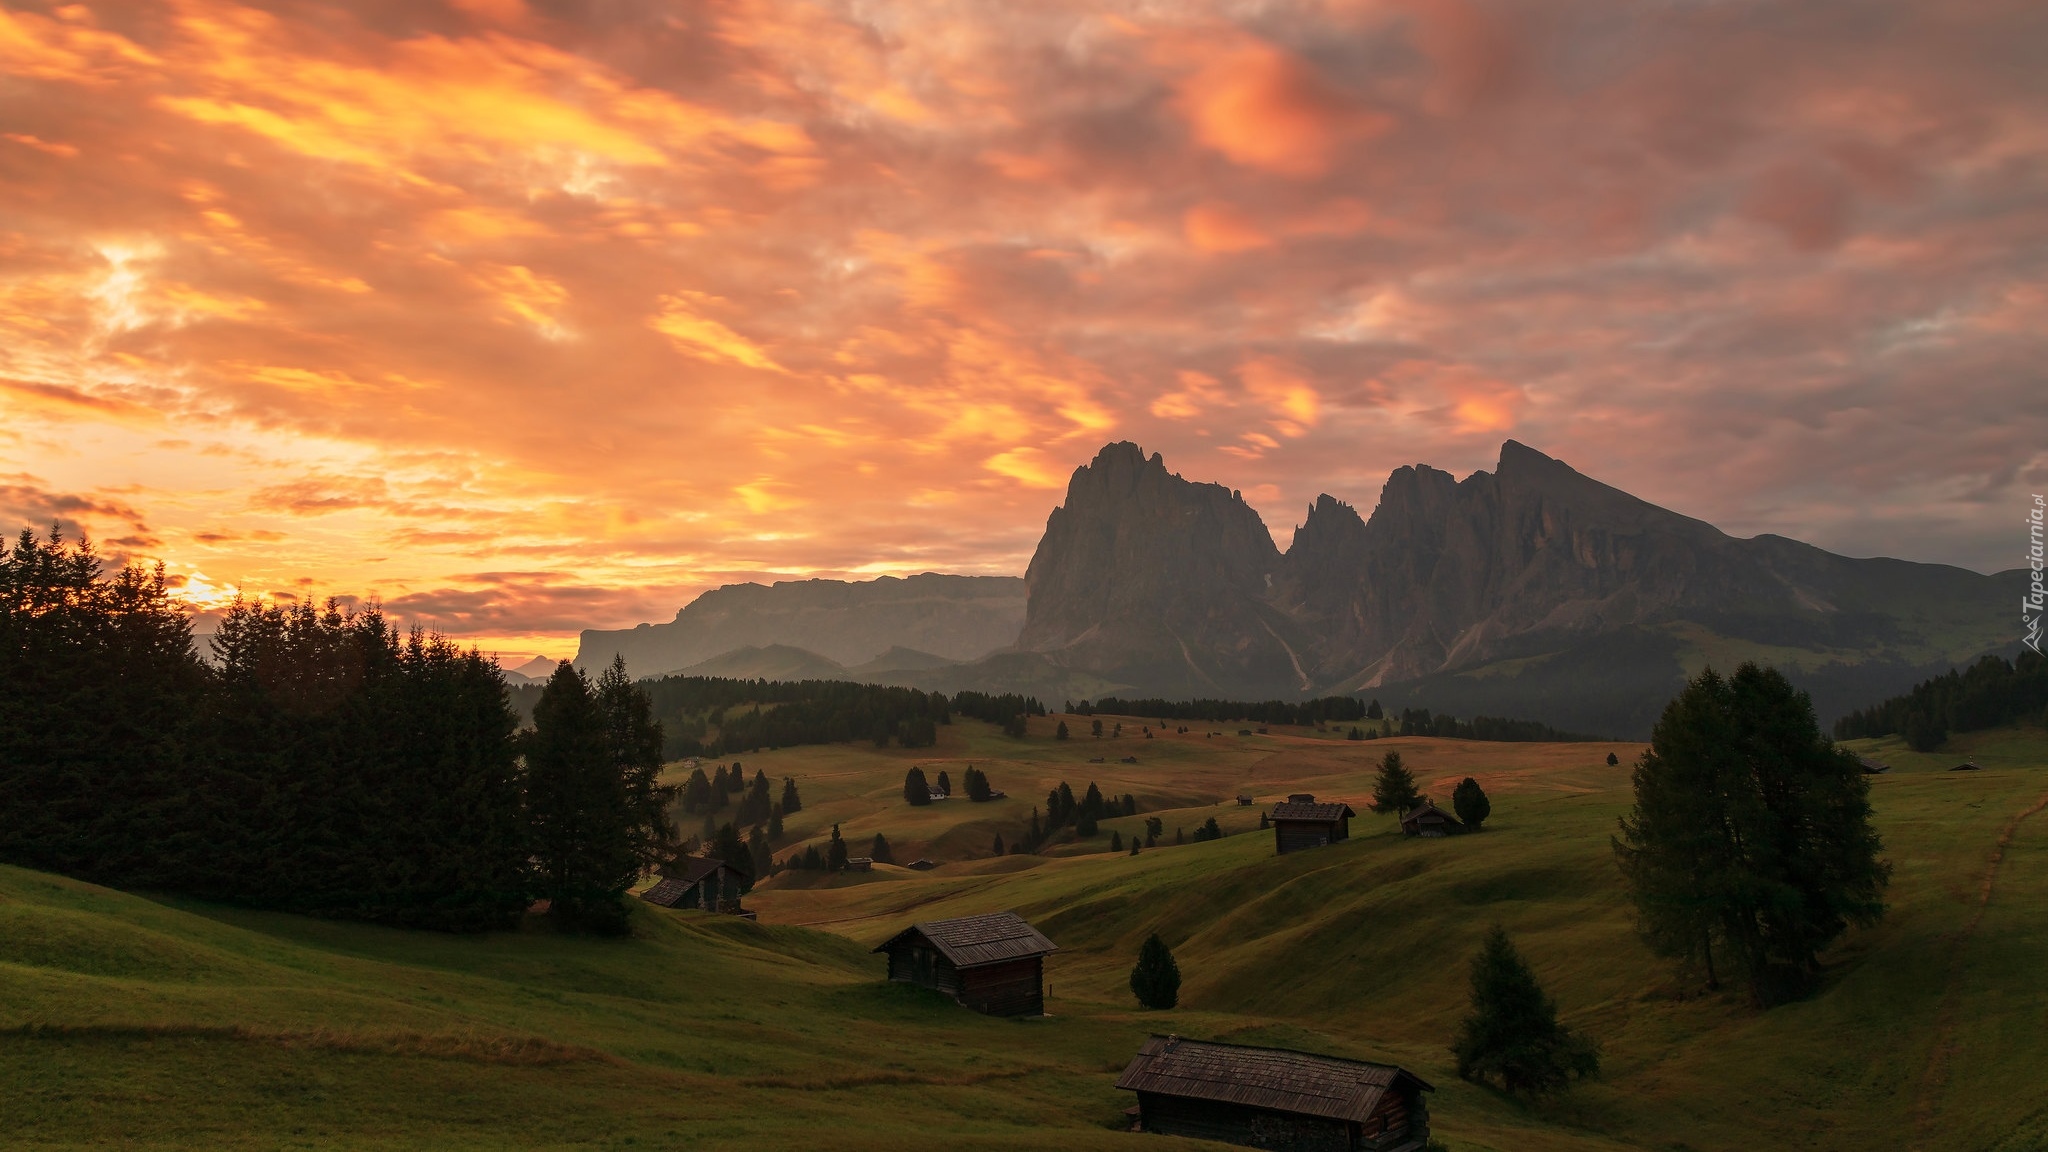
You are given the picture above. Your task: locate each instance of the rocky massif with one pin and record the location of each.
(1530, 591)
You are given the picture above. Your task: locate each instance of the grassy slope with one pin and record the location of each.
(125, 1020)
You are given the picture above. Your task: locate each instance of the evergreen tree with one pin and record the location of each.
(835, 852)
(762, 855)
(1393, 790)
(945, 782)
(1512, 1034)
(1095, 728)
(1134, 843)
(634, 740)
(1373, 712)
(1750, 832)
(978, 789)
(1036, 836)
(585, 849)
(728, 846)
(1613, 760)
(735, 780)
(879, 852)
(1471, 804)
(916, 791)
(791, 805)
(1130, 805)
(813, 860)
(997, 847)
(1155, 979)
(775, 822)
(696, 795)
(1060, 733)
(1116, 841)
(1091, 803)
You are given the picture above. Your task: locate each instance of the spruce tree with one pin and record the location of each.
(1512, 1034)
(1116, 841)
(1155, 979)
(835, 852)
(791, 805)
(997, 847)
(945, 782)
(633, 738)
(775, 822)
(1060, 733)
(1613, 760)
(878, 851)
(1471, 804)
(584, 845)
(916, 791)
(1750, 833)
(1134, 843)
(1393, 790)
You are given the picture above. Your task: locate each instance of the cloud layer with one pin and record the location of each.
(532, 316)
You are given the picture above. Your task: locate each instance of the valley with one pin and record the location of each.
(172, 1023)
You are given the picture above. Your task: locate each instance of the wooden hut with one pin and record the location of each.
(994, 964)
(1275, 1098)
(700, 882)
(1302, 823)
(1429, 820)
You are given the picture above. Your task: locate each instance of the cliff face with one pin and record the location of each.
(1147, 577)
(1516, 577)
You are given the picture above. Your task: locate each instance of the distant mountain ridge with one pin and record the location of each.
(1530, 591)
(848, 623)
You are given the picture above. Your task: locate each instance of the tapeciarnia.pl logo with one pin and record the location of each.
(2037, 597)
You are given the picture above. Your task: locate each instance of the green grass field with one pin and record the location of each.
(142, 1022)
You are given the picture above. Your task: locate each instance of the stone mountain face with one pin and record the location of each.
(1529, 591)
(845, 622)
(1154, 578)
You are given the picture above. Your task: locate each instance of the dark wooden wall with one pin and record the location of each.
(1012, 988)
(915, 962)
(1238, 1124)
(1293, 836)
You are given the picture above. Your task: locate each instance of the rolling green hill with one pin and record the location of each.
(139, 1022)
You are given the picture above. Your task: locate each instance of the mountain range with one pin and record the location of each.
(1531, 591)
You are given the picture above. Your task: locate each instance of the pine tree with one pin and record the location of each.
(1060, 733)
(1750, 832)
(835, 852)
(916, 791)
(997, 848)
(945, 782)
(763, 856)
(878, 851)
(1134, 843)
(696, 795)
(1116, 841)
(1613, 760)
(1471, 804)
(1512, 1034)
(1155, 979)
(634, 738)
(790, 804)
(775, 822)
(735, 780)
(1393, 790)
(585, 848)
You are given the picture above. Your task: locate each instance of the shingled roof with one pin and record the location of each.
(972, 941)
(1312, 812)
(1426, 808)
(1272, 1078)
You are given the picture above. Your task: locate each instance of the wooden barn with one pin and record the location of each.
(1302, 823)
(700, 882)
(994, 964)
(1429, 820)
(1275, 1098)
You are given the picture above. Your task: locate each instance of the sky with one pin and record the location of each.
(525, 317)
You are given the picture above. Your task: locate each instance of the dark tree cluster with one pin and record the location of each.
(1084, 814)
(1991, 692)
(1155, 979)
(717, 716)
(1327, 709)
(1003, 708)
(322, 762)
(1750, 838)
(1209, 830)
(1419, 722)
(917, 791)
(976, 782)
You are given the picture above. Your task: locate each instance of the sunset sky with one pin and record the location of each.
(529, 317)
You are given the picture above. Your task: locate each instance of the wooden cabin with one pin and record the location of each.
(1275, 1098)
(860, 863)
(1302, 823)
(700, 882)
(1429, 820)
(1244, 801)
(994, 964)
(1872, 767)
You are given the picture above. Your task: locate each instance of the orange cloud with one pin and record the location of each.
(1264, 108)
(1218, 227)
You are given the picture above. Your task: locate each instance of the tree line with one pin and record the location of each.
(1327, 709)
(322, 762)
(1991, 692)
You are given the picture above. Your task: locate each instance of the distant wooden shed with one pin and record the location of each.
(1302, 823)
(699, 882)
(994, 964)
(1872, 767)
(1429, 820)
(1276, 1098)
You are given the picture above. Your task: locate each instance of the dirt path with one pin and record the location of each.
(1934, 1080)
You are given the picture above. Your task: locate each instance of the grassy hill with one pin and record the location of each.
(173, 1024)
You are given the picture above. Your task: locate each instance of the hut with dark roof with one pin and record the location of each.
(1275, 1098)
(1302, 823)
(1429, 820)
(994, 964)
(700, 882)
